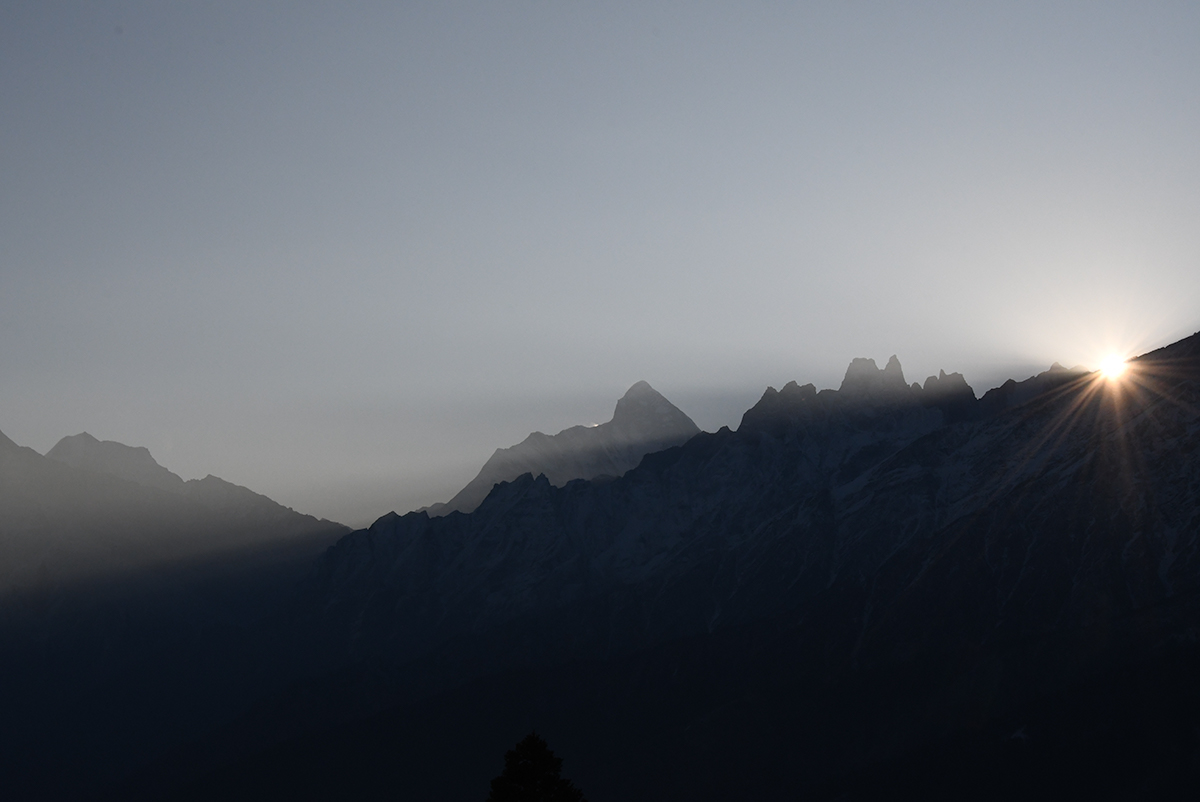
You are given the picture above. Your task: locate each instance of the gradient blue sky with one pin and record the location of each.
(339, 253)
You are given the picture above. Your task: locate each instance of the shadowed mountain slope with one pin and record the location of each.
(531, 546)
(873, 592)
(884, 591)
(643, 422)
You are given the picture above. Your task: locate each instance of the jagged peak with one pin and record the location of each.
(860, 366)
(804, 392)
(947, 384)
(893, 370)
(863, 376)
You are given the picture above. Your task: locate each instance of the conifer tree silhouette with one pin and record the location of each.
(533, 774)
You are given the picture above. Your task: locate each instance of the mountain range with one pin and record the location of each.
(888, 590)
(634, 544)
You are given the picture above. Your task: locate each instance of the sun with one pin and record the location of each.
(1112, 366)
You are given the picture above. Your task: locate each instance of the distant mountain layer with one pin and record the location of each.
(643, 422)
(126, 595)
(117, 459)
(91, 508)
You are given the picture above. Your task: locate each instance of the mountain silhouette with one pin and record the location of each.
(531, 545)
(859, 593)
(888, 590)
(643, 422)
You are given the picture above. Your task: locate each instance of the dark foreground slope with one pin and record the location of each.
(879, 592)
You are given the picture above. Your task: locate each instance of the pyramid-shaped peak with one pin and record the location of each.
(644, 407)
(644, 422)
(641, 388)
(640, 396)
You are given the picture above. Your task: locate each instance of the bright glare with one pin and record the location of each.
(1112, 367)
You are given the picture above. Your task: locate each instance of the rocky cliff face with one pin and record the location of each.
(643, 422)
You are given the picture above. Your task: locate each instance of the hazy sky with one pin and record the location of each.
(340, 252)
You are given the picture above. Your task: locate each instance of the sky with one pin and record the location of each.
(340, 252)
